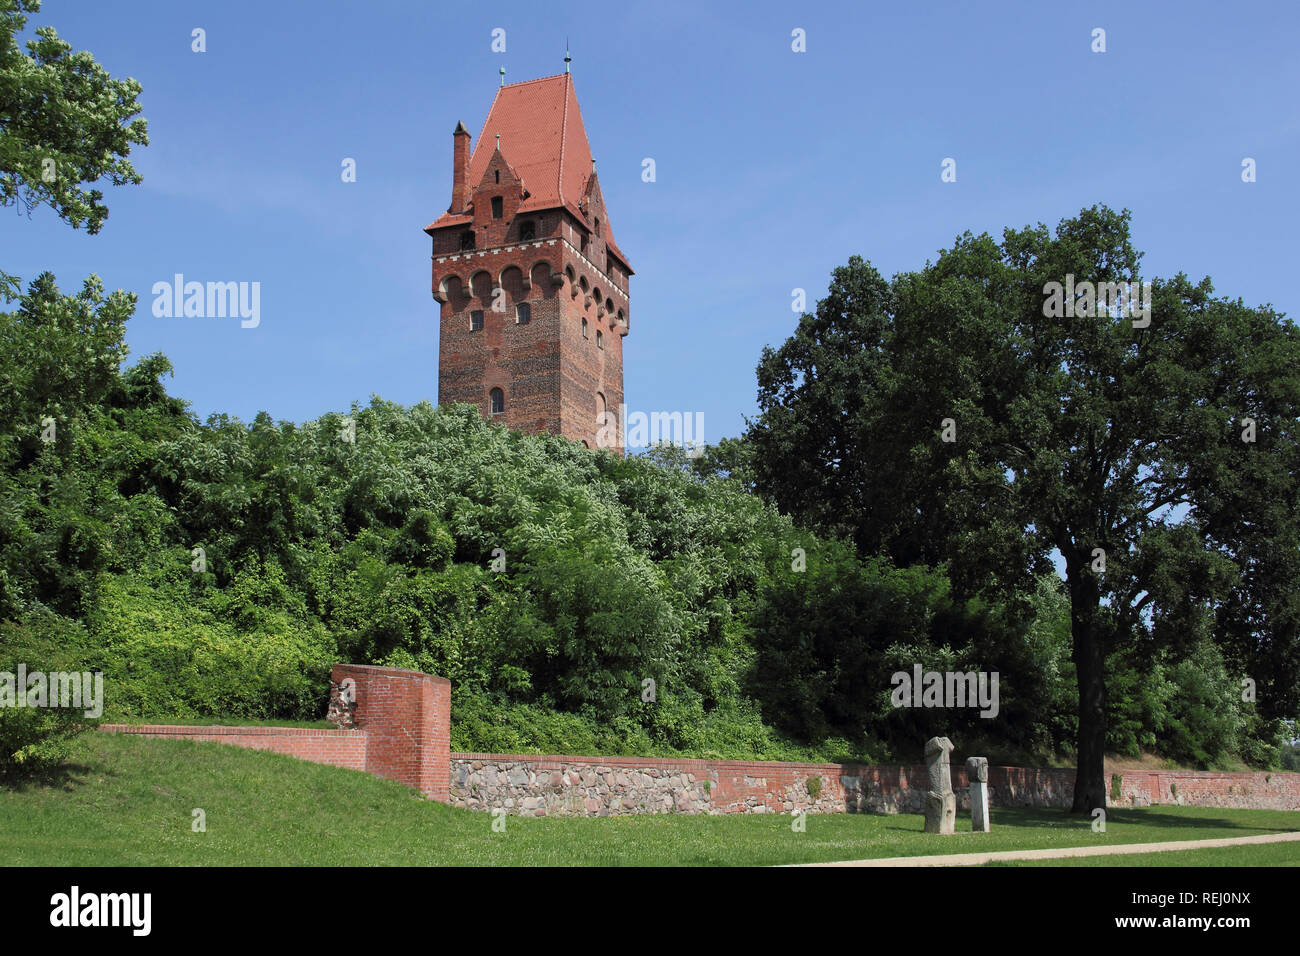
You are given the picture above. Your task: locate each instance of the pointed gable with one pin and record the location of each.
(498, 161)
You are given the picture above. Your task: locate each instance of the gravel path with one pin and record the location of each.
(978, 859)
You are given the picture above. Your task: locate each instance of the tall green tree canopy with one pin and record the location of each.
(952, 415)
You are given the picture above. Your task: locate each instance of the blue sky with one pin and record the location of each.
(772, 166)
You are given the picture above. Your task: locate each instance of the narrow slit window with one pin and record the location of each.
(497, 207)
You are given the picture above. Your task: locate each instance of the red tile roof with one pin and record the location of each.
(545, 142)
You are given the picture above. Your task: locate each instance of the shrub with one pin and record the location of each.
(34, 739)
(170, 657)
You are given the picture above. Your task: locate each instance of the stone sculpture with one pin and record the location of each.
(977, 771)
(940, 801)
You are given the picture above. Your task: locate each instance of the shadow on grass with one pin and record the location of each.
(67, 776)
(1156, 817)
(1050, 818)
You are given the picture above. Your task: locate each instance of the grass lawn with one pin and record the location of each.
(127, 801)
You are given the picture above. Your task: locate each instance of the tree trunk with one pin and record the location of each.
(1089, 664)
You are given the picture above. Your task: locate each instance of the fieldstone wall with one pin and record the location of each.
(538, 788)
(608, 786)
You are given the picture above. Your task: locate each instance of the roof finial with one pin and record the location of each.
(498, 141)
(503, 76)
(567, 59)
(593, 164)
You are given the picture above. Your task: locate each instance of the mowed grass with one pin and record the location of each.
(128, 801)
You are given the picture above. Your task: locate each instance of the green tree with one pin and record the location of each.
(65, 124)
(952, 416)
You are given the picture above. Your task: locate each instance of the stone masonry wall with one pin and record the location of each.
(609, 786)
(606, 786)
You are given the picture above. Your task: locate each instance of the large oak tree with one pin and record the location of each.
(1160, 460)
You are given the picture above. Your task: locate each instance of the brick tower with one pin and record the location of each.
(533, 291)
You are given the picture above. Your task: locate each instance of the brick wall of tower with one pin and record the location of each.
(522, 360)
(550, 374)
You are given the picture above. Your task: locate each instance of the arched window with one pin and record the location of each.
(600, 408)
(584, 328)
(600, 339)
(498, 401)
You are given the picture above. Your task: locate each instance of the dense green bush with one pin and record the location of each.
(33, 739)
(223, 654)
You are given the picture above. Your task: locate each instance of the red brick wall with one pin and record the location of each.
(406, 717)
(403, 721)
(1265, 790)
(339, 748)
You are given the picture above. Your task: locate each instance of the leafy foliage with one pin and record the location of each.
(578, 601)
(35, 739)
(65, 123)
(1082, 433)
